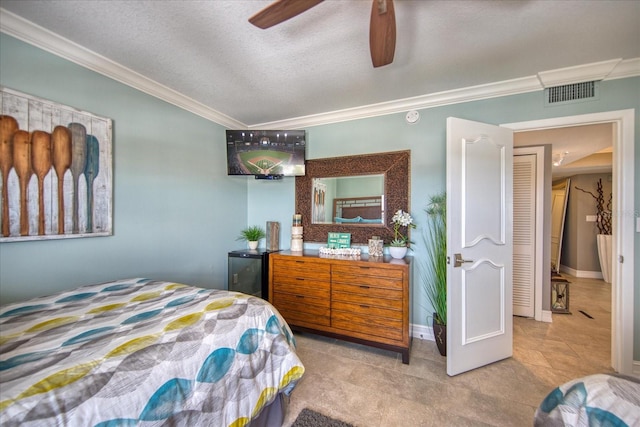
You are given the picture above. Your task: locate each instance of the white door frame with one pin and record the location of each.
(539, 234)
(622, 299)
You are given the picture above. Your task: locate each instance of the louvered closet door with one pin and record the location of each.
(524, 223)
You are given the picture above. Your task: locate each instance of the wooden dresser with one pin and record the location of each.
(358, 300)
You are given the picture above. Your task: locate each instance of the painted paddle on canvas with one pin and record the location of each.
(41, 162)
(22, 166)
(90, 172)
(8, 126)
(78, 163)
(61, 156)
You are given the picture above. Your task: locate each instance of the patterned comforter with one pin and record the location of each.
(142, 352)
(595, 400)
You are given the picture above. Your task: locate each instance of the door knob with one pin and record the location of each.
(458, 261)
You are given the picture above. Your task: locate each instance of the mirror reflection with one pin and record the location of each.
(352, 200)
(393, 166)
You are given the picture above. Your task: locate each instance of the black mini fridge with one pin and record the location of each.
(249, 272)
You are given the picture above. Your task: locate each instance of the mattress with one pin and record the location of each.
(143, 352)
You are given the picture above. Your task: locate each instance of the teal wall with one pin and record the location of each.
(426, 140)
(177, 214)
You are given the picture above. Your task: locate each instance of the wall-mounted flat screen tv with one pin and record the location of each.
(266, 153)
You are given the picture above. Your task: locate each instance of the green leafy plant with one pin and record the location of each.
(252, 234)
(401, 220)
(435, 274)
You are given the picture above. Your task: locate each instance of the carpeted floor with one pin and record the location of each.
(309, 418)
(370, 387)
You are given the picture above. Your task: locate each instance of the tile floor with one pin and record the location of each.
(370, 387)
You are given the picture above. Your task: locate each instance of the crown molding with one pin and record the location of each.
(456, 96)
(625, 68)
(42, 38)
(579, 73)
(606, 70)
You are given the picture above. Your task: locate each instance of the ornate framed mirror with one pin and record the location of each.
(392, 166)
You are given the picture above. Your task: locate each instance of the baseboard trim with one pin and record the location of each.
(422, 332)
(582, 274)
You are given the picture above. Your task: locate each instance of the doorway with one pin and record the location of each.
(623, 225)
(528, 254)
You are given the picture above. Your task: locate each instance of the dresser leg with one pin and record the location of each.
(405, 352)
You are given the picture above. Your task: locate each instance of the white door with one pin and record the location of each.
(479, 244)
(524, 234)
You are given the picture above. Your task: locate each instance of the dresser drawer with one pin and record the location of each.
(302, 308)
(373, 313)
(302, 282)
(304, 318)
(308, 288)
(301, 302)
(371, 281)
(364, 270)
(367, 291)
(297, 309)
(392, 300)
(300, 268)
(385, 328)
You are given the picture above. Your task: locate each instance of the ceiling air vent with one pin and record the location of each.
(571, 93)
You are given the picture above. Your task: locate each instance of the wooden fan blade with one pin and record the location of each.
(382, 32)
(280, 11)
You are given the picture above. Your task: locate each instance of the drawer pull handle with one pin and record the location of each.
(365, 268)
(299, 296)
(364, 286)
(364, 306)
(299, 278)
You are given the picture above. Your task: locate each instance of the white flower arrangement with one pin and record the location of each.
(401, 219)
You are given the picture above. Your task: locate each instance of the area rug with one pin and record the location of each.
(309, 418)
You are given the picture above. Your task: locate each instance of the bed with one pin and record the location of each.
(595, 400)
(144, 352)
(363, 210)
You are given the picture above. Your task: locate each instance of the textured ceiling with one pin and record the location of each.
(319, 61)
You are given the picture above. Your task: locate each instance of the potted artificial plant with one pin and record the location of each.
(252, 235)
(400, 243)
(435, 274)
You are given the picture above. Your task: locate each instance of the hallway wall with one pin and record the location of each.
(579, 248)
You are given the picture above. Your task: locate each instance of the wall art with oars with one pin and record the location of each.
(56, 166)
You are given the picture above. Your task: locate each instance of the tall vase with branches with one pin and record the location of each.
(603, 223)
(603, 208)
(435, 273)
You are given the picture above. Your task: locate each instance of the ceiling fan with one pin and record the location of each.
(382, 27)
